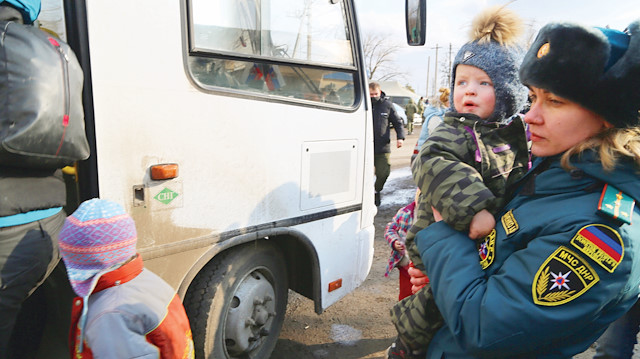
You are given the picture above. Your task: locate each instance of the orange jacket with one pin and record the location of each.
(131, 313)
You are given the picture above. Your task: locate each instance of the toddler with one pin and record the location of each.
(465, 166)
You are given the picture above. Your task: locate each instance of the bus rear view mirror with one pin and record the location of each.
(416, 21)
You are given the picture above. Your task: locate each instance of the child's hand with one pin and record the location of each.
(398, 246)
(481, 224)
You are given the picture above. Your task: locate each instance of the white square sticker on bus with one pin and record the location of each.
(165, 195)
(329, 173)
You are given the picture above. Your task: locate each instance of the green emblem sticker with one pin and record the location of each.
(166, 196)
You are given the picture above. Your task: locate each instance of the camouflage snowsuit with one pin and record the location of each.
(464, 167)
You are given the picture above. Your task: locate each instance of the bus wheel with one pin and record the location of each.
(236, 304)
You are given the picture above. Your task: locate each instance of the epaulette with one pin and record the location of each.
(616, 204)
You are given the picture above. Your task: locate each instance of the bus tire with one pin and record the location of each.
(236, 304)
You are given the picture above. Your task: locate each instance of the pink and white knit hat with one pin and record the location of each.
(96, 237)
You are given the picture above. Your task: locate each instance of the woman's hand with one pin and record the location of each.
(418, 279)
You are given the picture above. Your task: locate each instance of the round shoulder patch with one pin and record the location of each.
(601, 243)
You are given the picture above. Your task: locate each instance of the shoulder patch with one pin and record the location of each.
(615, 204)
(509, 223)
(487, 249)
(601, 243)
(563, 277)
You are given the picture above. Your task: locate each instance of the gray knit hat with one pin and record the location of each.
(594, 67)
(493, 50)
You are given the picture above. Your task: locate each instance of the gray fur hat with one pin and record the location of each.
(493, 49)
(596, 68)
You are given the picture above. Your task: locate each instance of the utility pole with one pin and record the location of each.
(435, 81)
(449, 73)
(426, 91)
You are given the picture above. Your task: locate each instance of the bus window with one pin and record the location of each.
(305, 55)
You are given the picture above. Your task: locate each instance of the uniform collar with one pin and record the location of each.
(547, 176)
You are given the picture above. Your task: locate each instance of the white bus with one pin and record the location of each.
(237, 134)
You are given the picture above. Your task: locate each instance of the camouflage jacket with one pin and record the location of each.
(464, 167)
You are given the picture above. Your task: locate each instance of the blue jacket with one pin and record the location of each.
(555, 274)
(428, 114)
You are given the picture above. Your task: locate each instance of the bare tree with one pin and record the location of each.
(379, 54)
(531, 30)
(445, 74)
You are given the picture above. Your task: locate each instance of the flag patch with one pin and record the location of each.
(600, 243)
(563, 277)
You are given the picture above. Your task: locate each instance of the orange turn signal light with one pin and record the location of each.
(335, 285)
(164, 171)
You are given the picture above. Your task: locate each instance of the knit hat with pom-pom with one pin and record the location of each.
(493, 49)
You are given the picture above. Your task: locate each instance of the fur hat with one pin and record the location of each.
(493, 49)
(97, 237)
(596, 68)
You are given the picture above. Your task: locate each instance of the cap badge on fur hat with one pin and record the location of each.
(543, 50)
(98, 236)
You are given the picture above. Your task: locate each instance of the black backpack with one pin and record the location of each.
(41, 114)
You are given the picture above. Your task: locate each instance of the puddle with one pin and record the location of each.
(395, 192)
(345, 334)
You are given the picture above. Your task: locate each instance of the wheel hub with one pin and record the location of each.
(250, 314)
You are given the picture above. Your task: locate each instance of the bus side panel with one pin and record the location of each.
(241, 160)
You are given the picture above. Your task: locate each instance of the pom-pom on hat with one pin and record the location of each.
(494, 50)
(99, 235)
(596, 68)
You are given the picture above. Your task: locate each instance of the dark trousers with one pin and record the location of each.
(28, 254)
(618, 340)
(383, 169)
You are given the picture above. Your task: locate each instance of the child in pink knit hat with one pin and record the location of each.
(123, 310)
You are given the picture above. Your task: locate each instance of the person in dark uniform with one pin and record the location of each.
(383, 116)
(564, 259)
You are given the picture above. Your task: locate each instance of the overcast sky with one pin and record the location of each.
(448, 22)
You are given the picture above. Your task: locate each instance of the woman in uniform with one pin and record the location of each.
(564, 260)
